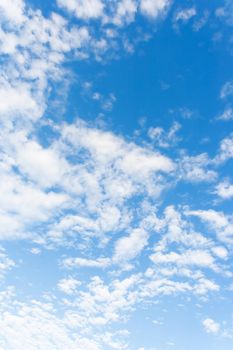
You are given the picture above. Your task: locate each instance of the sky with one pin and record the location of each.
(116, 163)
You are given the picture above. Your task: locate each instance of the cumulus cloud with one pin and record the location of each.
(91, 191)
(153, 8)
(217, 221)
(125, 12)
(13, 10)
(224, 190)
(197, 168)
(68, 285)
(211, 326)
(129, 247)
(83, 9)
(225, 151)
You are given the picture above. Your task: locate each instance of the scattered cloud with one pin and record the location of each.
(154, 8)
(226, 115)
(88, 202)
(226, 90)
(224, 190)
(211, 326)
(184, 15)
(83, 9)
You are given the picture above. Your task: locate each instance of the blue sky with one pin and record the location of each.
(116, 160)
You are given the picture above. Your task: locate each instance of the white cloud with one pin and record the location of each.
(5, 263)
(35, 251)
(226, 90)
(118, 13)
(196, 168)
(88, 189)
(201, 22)
(163, 139)
(83, 262)
(190, 257)
(41, 165)
(125, 12)
(13, 10)
(184, 15)
(83, 9)
(217, 221)
(17, 101)
(153, 8)
(129, 247)
(226, 115)
(224, 190)
(220, 252)
(68, 285)
(44, 330)
(211, 326)
(226, 149)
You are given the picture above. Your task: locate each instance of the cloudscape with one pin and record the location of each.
(116, 169)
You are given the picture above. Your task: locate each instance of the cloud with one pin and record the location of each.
(153, 8)
(190, 257)
(68, 285)
(217, 221)
(195, 168)
(226, 115)
(17, 100)
(184, 15)
(83, 262)
(90, 194)
(125, 12)
(220, 252)
(83, 9)
(211, 326)
(129, 247)
(44, 330)
(226, 90)
(224, 190)
(119, 13)
(163, 139)
(5, 263)
(13, 10)
(226, 150)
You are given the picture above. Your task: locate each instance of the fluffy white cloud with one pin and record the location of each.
(129, 247)
(40, 164)
(190, 257)
(126, 11)
(211, 326)
(196, 168)
(13, 10)
(91, 191)
(44, 330)
(216, 218)
(83, 9)
(224, 190)
(17, 100)
(220, 223)
(153, 8)
(226, 150)
(68, 285)
(220, 252)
